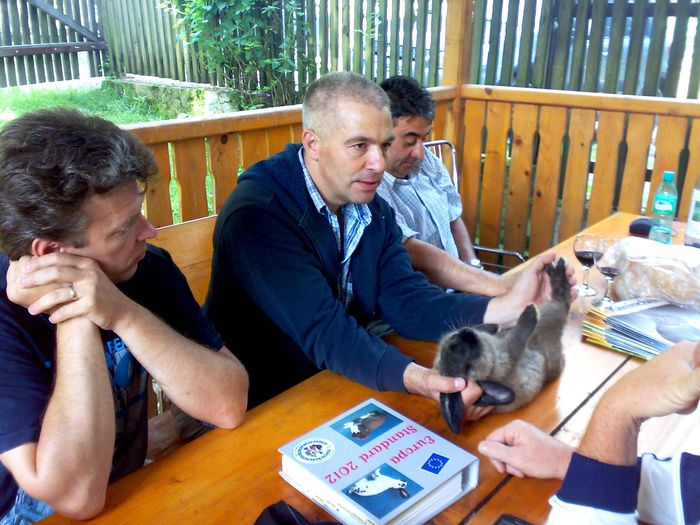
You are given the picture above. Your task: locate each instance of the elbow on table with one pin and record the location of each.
(232, 410)
(83, 504)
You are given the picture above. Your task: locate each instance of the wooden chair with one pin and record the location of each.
(446, 151)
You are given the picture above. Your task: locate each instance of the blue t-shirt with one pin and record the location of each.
(27, 364)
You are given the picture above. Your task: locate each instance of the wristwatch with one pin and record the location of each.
(476, 263)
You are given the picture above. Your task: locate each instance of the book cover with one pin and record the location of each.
(373, 465)
(641, 327)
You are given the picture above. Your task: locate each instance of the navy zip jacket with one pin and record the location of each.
(273, 293)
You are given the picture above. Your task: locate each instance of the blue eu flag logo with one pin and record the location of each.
(435, 463)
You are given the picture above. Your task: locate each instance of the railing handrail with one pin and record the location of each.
(571, 99)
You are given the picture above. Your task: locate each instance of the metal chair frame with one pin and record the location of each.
(436, 147)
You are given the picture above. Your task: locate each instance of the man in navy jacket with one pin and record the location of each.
(308, 256)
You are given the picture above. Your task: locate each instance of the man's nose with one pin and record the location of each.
(418, 150)
(375, 159)
(148, 231)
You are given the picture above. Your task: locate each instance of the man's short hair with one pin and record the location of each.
(408, 98)
(51, 162)
(322, 96)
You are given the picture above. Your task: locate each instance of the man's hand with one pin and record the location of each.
(529, 285)
(522, 449)
(667, 384)
(96, 297)
(23, 295)
(429, 383)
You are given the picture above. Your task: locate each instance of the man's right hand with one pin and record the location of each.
(429, 383)
(25, 296)
(96, 297)
(668, 383)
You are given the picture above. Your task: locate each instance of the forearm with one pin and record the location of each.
(465, 248)
(611, 436)
(446, 271)
(73, 457)
(208, 385)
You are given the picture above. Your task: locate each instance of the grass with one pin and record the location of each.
(106, 102)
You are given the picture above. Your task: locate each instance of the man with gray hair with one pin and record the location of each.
(310, 256)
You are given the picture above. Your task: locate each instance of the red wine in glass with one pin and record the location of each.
(607, 261)
(609, 271)
(585, 245)
(585, 257)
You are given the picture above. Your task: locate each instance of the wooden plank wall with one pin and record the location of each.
(539, 165)
(22, 23)
(634, 47)
(536, 165)
(377, 39)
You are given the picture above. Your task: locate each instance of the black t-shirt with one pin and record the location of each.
(28, 356)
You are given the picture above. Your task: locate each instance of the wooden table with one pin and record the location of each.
(230, 476)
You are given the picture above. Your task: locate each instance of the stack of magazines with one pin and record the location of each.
(640, 327)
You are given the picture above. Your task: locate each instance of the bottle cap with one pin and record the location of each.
(668, 176)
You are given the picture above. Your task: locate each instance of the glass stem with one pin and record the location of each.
(586, 269)
(608, 280)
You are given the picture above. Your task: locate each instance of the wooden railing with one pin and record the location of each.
(191, 151)
(537, 165)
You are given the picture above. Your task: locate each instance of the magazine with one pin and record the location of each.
(372, 465)
(641, 327)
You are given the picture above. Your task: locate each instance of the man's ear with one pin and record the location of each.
(310, 141)
(44, 246)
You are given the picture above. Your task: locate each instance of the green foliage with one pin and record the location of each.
(108, 102)
(251, 43)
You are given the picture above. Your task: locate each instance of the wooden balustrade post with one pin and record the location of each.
(458, 43)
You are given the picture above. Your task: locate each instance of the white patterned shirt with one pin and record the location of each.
(356, 218)
(425, 202)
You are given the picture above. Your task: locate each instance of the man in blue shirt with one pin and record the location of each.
(311, 256)
(88, 311)
(427, 204)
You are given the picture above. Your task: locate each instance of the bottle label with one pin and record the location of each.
(693, 227)
(663, 207)
(695, 207)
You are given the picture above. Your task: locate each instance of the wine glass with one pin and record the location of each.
(608, 263)
(585, 245)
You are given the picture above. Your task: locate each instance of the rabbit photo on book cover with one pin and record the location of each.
(511, 365)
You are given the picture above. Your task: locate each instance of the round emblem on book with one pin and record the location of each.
(314, 450)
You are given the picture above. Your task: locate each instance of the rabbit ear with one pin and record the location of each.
(452, 408)
(489, 328)
(494, 394)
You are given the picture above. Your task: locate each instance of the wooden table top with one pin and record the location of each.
(230, 476)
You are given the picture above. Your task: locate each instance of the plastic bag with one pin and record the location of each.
(649, 269)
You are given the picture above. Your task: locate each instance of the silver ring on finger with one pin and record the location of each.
(73, 293)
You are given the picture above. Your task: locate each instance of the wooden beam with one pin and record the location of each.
(61, 17)
(458, 42)
(50, 49)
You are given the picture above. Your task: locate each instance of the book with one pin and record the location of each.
(640, 327)
(372, 465)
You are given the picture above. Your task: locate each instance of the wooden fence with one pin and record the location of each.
(40, 40)
(376, 38)
(537, 165)
(635, 47)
